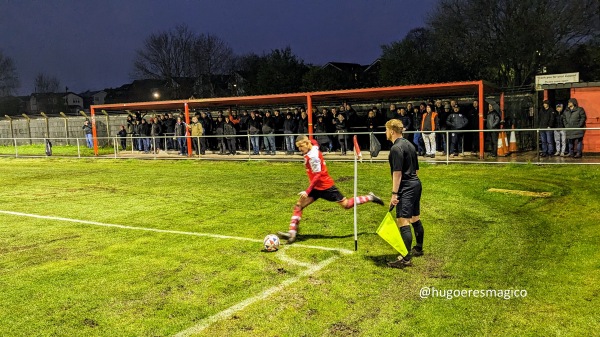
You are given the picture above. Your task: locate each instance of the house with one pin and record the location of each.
(14, 105)
(93, 98)
(73, 101)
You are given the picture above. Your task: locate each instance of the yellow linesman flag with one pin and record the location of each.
(388, 230)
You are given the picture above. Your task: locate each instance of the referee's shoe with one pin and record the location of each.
(400, 263)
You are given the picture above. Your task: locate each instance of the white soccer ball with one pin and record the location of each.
(271, 243)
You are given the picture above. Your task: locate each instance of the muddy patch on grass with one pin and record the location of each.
(343, 329)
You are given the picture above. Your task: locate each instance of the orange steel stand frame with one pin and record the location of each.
(310, 98)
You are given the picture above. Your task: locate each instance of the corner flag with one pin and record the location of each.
(388, 230)
(357, 153)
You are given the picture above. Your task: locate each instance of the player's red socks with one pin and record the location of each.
(295, 221)
(361, 200)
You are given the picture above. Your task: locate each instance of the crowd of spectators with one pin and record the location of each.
(269, 131)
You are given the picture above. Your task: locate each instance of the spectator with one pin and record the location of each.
(229, 132)
(220, 131)
(320, 136)
(155, 132)
(457, 121)
(254, 127)
(404, 118)
(243, 129)
(207, 129)
(123, 137)
(196, 131)
(341, 129)
(371, 121)
(87, 131)
(278, 122)
(429, 125)
(137, 134)
(180, 131)
(545, 120)
(417, 117)
(169, 124)
(330, 128)
(289, 128)
(443, 114)
(560, 136)
(392, 113)
(472, 139)
(268, 129)
(492, 122)
(575, 117)
(303, 123)
(130, 131)
(145, 133)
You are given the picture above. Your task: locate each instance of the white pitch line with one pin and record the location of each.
(283, 257)
(203, 324)
(156, 230)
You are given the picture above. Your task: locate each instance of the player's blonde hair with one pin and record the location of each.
(395, 125)
(302, 139)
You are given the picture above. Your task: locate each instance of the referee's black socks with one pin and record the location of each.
(419, 233)
(406, 234)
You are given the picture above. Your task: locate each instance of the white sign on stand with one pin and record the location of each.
(555, 79)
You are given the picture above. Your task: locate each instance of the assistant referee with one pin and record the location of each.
(406, 191)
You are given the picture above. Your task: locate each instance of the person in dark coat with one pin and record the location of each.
(544, 121)
(575, 117)
(289, 128)
(492, 122)
(254, 127)
(560, 136)
(123, 137)
(456, 121)
(229, 132)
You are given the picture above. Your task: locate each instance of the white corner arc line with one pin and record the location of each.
(203, 324)
(283, 257)
(156, 230)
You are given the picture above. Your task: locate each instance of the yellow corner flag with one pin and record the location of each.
(388, 230)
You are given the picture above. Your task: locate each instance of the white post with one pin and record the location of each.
(355, 202)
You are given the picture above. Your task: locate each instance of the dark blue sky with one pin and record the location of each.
(91, 44)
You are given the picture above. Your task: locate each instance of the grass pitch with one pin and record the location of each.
(63, 278)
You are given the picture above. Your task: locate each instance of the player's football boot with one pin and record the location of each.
(290, 237)
(376, 199)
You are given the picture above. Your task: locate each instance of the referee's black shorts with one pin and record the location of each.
(409, 199)
(330, 194)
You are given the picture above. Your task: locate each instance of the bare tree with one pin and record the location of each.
(509, 41)
(180, 53)
(9, 80)
(46, 84)
(211, 56)
(165, 55)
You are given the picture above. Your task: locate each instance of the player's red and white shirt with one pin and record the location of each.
(315, 164)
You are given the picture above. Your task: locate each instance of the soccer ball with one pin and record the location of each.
(271, 243)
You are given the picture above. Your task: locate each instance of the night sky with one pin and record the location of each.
(91, 44)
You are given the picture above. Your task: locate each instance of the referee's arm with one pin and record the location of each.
(396, 178)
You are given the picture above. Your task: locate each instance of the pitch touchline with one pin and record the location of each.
(203, 324)
(156, 230)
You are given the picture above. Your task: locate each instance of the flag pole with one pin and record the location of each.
(355, 202)
(357, 154)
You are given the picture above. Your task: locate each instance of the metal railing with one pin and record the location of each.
(217, 147)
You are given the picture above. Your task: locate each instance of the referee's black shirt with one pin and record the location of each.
(403, 157)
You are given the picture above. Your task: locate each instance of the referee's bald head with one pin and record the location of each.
(395, 125)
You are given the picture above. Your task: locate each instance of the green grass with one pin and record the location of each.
(57, 150)
(61, 278)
